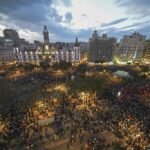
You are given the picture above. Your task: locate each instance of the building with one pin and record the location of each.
(6, 55)
(62, 52)
(6, 50)
(46, 36)
(46, 46)
(65, 51)
(27, 56)
(52, 53)
(76, 50)
(131, 47)
(101, 49)
(12, 35)
(146, 52)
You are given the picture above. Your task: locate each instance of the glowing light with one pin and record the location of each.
(39, 104)
(60, 87)
(46, 47)
(119, 93)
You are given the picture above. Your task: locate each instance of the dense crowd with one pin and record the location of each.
(126, 115)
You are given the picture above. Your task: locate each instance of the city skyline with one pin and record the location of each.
(67, 19)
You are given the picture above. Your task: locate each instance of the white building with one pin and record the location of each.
(55, 54)
(23, 56)
(67, 53)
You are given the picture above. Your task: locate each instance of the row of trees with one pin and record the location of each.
(63, 65)
(45, 65)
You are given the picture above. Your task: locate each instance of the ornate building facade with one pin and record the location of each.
(49, 52)
(101, 49)
(131, 47)
(146, 52)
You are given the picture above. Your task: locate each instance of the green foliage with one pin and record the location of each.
(19, 66)
(63, 65)
(82, 68)
(29, 67)
(44, 65)
(145, 68)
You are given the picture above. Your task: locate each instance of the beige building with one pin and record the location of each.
(146, 52)
(131, 47)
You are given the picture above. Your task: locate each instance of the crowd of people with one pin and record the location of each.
(82, 119)
(132, 112)
(21, 123)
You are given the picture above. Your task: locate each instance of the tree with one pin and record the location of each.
(64, 65)
(82, 68)
(145, 68)
(55, 65)
(29, 67)
(44, 65)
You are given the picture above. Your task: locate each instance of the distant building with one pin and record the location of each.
(6, 55)
(62, 52)
(46, 47)
(67, 52)
(38, 43)
(23, 44)
(101, 49)
(27, 56)
(46, 35)
(131, 47)
(52, 53)
(146, 52)
(12, 35)
(6, 50)
(77, 50)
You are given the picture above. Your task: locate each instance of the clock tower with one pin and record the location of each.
(46, 48)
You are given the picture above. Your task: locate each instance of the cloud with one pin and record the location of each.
(29, 16)
(137, 7)
(67, 3)
(18, 15)
(135, 25)
(114, 22)
(84, 15)
(68, 17)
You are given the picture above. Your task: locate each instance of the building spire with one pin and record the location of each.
(45, 28)
(76, 43)
(46, 35)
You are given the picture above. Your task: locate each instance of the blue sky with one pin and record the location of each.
(67, 19)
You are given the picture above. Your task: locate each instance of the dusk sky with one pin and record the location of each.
(66, 19)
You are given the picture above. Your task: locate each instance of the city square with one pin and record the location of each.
(74, 75)
(60, 112)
